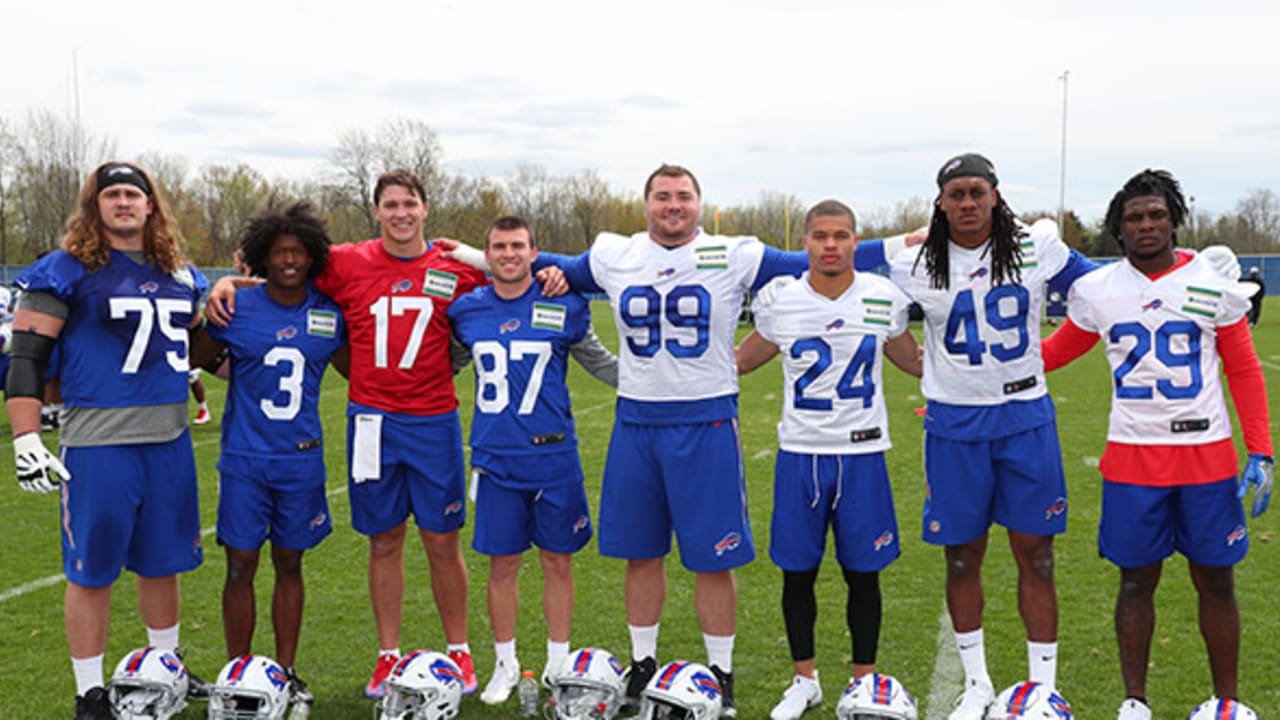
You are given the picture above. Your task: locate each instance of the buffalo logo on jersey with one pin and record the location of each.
(1237, 535)
(288, 333)
(580, 524)
(979, 273)
(317, 521)
(402, 286)
(835, 324)
(148, 287)
(1058, 507)
(511, 325)
(666, 272)
(728, 543)
(884, 541)
(1153, 305)
(453, 507)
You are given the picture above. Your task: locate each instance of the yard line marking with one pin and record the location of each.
(1091, 461)
(45, 582)
(762, 454)
(1271, 365)
(592, 408)
(948, 673)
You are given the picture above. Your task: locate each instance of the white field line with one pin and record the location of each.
(948, 673)
(45, 582)
(761, 454)
(1270, 365)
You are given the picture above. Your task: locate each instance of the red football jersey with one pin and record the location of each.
(397, 325)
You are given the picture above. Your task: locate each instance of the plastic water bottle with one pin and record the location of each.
(528, 692)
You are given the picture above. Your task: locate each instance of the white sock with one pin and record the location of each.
(719, 650)
(644, 641)
(204, 406)
(88, 673)
(393, 652)
(973, 656)
(458, 647)
(164, 638)
(1042, 663)
(506, 653)
(556, 652)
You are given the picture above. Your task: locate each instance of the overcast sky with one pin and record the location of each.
(846, 99)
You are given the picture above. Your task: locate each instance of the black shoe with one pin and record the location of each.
(197, 689)
(638, 677)
(93, 705)
(298, 692)
(727, 707)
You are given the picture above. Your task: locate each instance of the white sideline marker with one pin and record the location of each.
(45, 582)
(948, 673)
(761, 454)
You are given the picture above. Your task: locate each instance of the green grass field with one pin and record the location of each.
(338, 643)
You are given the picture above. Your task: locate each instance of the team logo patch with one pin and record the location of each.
(615, 665)
(935, 526)
(728, 543)
(148, 287)
(446, 672)
(1058, 507)
(580, 524)
(453, 507)
(288, 333)
(322, 323)
(439, 283)
(402, 286)
(172, 664)
(835, 324)
(1153, 305)
(548, 316)
(1201, 301)
(979, 273)
(1237, 535)
(706, 685)
(884, 541)
(511, 325)
(876, 311)
(1060, 707)
(714, 257)
(667, 272)
(277, 677)
(317, 521)
(1028, 254)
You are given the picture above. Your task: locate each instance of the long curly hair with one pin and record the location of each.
(261, 233)
(85, 239)
(1005, 247)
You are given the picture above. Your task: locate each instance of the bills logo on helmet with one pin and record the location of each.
(172, 664)
(453, 507)
(277, 677)
(1060, 706)
(884, 541)
(728, 543)
(511, 325)
(706, 685)
(402, 286)
(446, 672)
(580, 524)
(835, 324)
(148, 287)
(615, 665)
(668, 272)
(288, 333)
(1153, 305)
(1058, 507)
(1237, 535)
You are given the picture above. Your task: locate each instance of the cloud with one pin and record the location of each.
(278, 148)
(184, 126)
(228, 110)
(649, 102)
(1267, 131)
(561, 115)
(472, 89)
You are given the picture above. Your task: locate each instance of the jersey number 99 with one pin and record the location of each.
(686, 308)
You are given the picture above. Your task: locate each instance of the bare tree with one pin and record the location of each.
(539, 197)
(589, 200)
(231, 196)
(1258, 222)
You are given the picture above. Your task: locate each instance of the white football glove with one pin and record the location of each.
(39, 471)
(468, 255)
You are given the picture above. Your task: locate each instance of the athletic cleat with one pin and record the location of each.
(549, 675)
(973, 702)
(298, 692)
(501, 683)
(377, 686)
(1134, 709)
(197, 689)
(728, 709)
(463, 660)
(802, 694)
(93, 705)
(202, 417)
(638, 677)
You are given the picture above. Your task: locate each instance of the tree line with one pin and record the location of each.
(44, 158)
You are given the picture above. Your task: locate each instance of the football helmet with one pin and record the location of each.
(587, 686)
(1215, 708)
(250, 687)
(875, 696)
(1030, 700)
(681, 690)
(423, 685)
(148, 684)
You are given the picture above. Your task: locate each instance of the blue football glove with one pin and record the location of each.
(1259, 472)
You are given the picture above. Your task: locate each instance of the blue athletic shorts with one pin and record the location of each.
(1142, 525)
(1016, 481)
(130, 506)
(509, 520)
(278, 499)
(423, 472)
(849, 493)
(686, 478)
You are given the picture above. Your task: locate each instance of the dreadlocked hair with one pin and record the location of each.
(1005, 247)
(1159, 183)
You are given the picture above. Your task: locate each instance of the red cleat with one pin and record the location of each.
(202, 417)
(377, 686)
(469, 681)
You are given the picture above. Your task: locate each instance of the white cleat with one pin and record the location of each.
(802, 694)
(973, 703)
(501, 683)
(1132, 709)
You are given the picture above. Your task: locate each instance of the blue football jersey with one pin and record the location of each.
(278, 358)
(523, 426)
(125, 340)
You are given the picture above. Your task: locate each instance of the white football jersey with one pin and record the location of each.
(982, 341)
(832, 358)
(676, 311)
(1161, 341)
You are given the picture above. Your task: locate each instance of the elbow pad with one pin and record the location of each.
(30, 353)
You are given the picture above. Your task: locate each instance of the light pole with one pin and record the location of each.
(1062, 177)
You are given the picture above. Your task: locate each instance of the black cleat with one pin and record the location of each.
(197, 689)
(93, 705)
(638, 677)
(298, 692)
(727, 707)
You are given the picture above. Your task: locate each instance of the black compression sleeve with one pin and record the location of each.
(30, 353)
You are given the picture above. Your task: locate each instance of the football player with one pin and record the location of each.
(272, 471)
(1167, 320)
(834, 329)
(527, 480)
(991, 443)
(118, 298)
